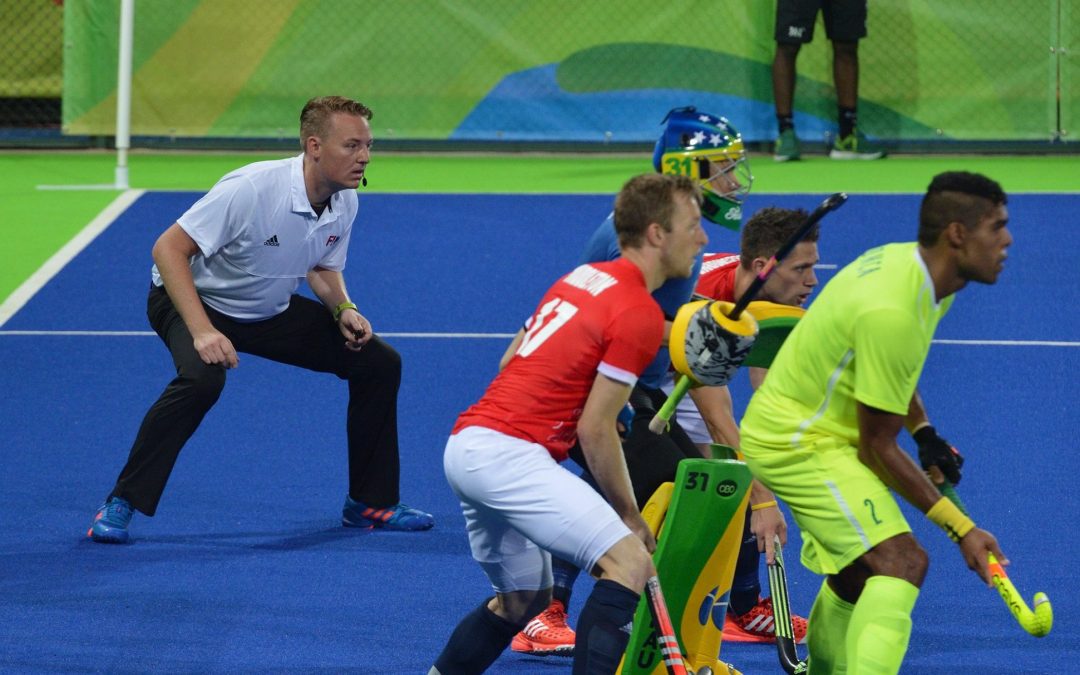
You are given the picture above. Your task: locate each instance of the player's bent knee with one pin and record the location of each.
(627, 563)
(204, 382)
(901, 556)
(376, 361)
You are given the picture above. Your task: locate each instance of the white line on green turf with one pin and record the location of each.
(79, 188)
(51, 267)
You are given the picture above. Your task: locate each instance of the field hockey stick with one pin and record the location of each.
(682, 383)
(665, 631)
(785, 632)
(1037, 622)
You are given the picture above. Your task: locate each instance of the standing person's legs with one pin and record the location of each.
(783, 78)
(307, 336)
(855, 534)
(845, 25)
(794, 28)
(882, 586)
(846, 74)
(652, 459)
(518, 505)
(176, 414)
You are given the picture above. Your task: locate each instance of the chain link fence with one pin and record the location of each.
(31, 78)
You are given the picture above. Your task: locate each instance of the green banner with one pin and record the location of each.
(564, 71)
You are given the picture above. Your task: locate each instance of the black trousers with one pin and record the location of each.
(304, 335)
(651, 459)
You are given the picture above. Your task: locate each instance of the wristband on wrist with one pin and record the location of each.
(948, 517)
(342, 307)
(763, 505)
(920, 427)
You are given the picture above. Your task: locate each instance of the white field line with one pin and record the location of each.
(53, 265)
(79, 188)
(504, 336)
(148, 333)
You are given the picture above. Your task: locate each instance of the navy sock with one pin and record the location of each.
(785, 122)
(848, 120)
(603, 630)
(477, 641)
(564, 573)
(745, 585)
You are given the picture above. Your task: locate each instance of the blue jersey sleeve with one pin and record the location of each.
(603, 245)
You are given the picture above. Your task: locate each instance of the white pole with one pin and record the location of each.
(123, 92)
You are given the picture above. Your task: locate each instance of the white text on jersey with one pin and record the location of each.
(591, 280)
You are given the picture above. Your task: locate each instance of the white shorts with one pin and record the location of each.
(521, 506)
(687, 415)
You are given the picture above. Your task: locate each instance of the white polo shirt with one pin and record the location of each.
(259, 237)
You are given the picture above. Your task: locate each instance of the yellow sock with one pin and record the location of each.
(827, 633)
(880, 626)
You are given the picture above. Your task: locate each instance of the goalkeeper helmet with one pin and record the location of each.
(710, 151)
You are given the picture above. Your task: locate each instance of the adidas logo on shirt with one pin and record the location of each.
(272, 241)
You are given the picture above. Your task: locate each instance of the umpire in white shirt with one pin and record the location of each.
(225, 281)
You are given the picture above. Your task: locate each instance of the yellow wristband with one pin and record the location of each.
(948, 517)
(341, 308)
(762, 505)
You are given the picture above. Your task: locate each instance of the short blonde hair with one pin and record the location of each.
(315, 117)
(649, 198)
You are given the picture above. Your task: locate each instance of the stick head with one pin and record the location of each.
(1037, 622)
(833, 202)
(1044, 616)
(706, 345)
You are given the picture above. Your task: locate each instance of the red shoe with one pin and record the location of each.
(547, 634)
(757, 625)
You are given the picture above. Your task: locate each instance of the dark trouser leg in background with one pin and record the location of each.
(374, 463)
(846, 78)
(746, 584)
(783, 77)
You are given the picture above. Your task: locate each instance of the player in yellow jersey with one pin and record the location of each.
(821, 431)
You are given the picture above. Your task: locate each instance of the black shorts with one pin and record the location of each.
(845, 20)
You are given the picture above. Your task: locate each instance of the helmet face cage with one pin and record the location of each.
(709, 150)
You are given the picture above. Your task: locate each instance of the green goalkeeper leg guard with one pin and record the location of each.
(826, 633)
(695, 559)
(880, 626)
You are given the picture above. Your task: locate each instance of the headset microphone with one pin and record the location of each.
(363, 180)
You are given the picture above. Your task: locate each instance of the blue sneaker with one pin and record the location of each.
(397, 517)
(110, 525)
